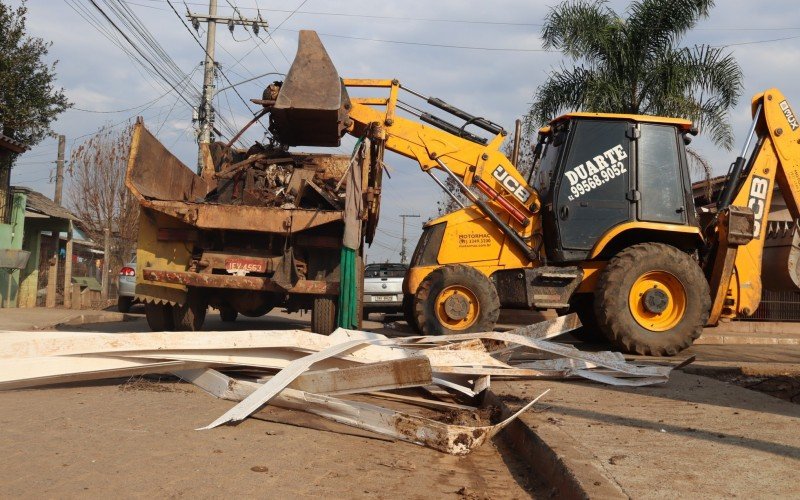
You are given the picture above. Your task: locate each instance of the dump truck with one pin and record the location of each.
(606, 227)
(257, 229)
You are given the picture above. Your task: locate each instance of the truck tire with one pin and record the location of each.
(228, 314)
(408, 313)
(323, 315)
(456, 299)
(124, 304)
(190, 315)
(159, 317)
(582, 304)
(652, 299)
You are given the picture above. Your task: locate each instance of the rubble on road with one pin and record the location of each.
(305, 371)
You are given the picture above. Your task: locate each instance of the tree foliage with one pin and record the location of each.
(97, 192)
(29, 98)
(634, 64)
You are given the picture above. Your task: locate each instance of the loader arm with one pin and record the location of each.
(313, 107)
(775, 158)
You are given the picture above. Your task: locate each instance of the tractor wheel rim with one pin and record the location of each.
(658, 284)
(457, 307)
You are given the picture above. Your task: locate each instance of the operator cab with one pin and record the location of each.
(599, 170)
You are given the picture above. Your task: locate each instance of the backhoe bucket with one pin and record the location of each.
(781, 260)
(310, 108)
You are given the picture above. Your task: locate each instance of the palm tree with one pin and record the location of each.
(635, 65)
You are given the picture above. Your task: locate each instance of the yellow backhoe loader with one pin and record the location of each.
(606, 227)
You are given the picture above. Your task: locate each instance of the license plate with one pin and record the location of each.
(383, 298)
(245, 265)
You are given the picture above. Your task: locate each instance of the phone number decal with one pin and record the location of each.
(593, 173)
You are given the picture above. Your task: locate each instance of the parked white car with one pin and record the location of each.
(383, 288)
(127, 286)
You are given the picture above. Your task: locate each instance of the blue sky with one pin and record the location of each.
(497, 84)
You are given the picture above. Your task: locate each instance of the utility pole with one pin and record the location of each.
(403, 240)
(60, 169)
(205, 115)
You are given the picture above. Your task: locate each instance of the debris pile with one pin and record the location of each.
(273, 177)
(330, 376)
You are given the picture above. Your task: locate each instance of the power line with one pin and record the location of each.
(424, 44)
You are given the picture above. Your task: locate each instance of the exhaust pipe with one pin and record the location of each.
(311, 107)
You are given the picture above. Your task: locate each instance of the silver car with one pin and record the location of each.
(383, 288)
(127, 286)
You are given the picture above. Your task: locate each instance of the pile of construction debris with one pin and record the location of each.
(309, 372)
(270, 176)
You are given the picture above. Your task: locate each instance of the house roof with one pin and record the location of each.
(11, 144)
(39, 203)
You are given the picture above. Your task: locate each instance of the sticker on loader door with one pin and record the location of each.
(474, 240)
(593, 173)
(759, 189)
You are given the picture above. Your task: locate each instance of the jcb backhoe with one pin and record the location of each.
(607, 227)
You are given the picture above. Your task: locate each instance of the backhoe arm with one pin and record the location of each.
(775, 158)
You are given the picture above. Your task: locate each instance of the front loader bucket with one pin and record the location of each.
(310, 108)
(781, 260)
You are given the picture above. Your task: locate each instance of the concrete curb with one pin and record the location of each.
(90, 318)
(735, 339)
(556, 458)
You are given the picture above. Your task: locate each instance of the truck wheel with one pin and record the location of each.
(124, 304)
(323, 315)
(159, 317)
(190, 315)
(408, 313)
(456, 299)
(228, 314)
(583, 305)
(652, 299)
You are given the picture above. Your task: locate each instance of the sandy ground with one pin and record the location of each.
(137, 440)
(129, 439)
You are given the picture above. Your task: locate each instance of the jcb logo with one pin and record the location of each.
(759, 190)
(789, 115)
(511, 184)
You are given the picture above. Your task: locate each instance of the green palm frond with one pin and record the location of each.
(635, 65)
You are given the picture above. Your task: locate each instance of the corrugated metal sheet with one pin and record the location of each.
(39, 203)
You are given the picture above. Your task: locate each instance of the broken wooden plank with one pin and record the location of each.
(388, 375)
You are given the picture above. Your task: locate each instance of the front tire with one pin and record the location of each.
(652, 299)
(456, 299)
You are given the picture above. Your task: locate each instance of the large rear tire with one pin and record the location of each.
(456, 299)
(408, 313)
(582, 304)
(652, 299)
(190, 315)
(159, 317)
(323, 315)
